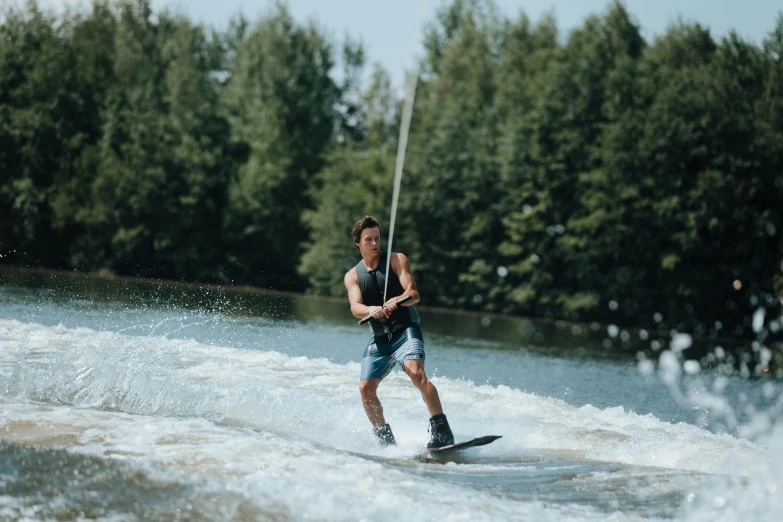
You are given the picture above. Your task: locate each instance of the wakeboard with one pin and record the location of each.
(478, 441)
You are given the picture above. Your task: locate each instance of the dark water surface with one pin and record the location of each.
(580, 364)
(162, 401)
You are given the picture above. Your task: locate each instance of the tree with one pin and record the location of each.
(357, 181)
(280, 101)
(566, 123)
(771, 111)
(452, 180)
(527, 55)
(157, 176)
(41, 132)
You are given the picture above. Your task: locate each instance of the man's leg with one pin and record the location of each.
(415, 370)
(440, 431)
(372, 406)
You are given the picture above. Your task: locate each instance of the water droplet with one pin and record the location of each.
(646, 367)
(680, 342)
(691, 367)
(669, 367)
(657, 317)
(527, 209)
(737, 284)
(758, 319)
(502, 271)
(613, 306)
(527, 328)
(612, 330)
(643, 335)
(486, 321)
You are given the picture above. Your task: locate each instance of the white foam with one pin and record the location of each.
(292, 429)
(732, 499)
(317, 401)
(303, 480)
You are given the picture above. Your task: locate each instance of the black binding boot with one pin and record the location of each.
(385, 435)
(440, 432)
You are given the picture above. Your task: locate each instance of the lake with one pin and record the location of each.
(126, 399)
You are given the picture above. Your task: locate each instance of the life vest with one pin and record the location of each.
(371, 283)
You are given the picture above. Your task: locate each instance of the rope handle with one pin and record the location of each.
(399, 302)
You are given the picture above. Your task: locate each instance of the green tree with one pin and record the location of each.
(281, 101)
(452, 182)
(770, 109)
(567, 121)
(527, 55)
(157, 177)
(41, 131)
(356, 181)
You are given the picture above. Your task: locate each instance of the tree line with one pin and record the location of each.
(593, 176)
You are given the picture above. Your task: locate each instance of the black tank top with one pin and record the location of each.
(371, 284)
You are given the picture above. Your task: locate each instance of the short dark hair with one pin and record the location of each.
(365, 222)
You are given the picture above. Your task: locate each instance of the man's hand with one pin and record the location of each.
(381, 313)
(386, 310)
(391, 304)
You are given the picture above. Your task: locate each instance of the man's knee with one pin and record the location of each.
(368, 387)
(417, 375)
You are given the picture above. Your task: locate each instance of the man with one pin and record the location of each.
(396, 335)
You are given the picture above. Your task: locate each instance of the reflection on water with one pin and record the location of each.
(244, 405)
(581, 364)
(52, 484)
(593, 341)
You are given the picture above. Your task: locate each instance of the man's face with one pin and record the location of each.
(370, 242)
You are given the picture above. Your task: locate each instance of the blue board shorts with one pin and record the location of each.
(381, 354)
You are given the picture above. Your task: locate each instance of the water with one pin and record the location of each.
(126, 400)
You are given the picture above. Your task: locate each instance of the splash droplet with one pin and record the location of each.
(646, 367)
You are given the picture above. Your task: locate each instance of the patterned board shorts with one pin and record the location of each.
(381, 354)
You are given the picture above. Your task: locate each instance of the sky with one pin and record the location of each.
(390, 30)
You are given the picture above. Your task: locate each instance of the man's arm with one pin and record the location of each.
(402, 267)
(358, 308)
